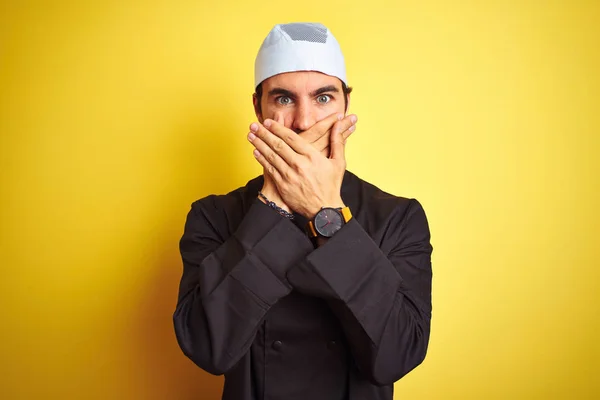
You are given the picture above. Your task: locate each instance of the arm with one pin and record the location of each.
(382, 296)
(229, 284)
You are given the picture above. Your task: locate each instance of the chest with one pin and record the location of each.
(300, 351)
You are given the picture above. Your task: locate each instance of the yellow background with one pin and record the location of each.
(115, 116)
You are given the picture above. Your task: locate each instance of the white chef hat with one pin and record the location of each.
(299, 47)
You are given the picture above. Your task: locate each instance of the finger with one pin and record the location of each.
(277, 144)
(267, 152)
(321, 127)
(344, 125)
(322, 144)
(346, 134)
(347, 126)
(337, 146)
(270, 171)
(297, 144)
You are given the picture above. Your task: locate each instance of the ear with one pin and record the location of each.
(257, 108)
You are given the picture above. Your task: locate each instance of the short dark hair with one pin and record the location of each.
(345, 89)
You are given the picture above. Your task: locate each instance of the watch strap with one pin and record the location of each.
(311, 229)
(346, 214)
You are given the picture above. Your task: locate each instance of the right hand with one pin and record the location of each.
(319, 134)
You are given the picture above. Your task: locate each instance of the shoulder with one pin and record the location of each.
(383, 215)
(225, 211)
(374, 201)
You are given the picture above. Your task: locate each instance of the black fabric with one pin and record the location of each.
(284, 320)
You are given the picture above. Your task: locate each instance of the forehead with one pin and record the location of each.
(301, 81)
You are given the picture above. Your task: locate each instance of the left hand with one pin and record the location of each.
(305, 178)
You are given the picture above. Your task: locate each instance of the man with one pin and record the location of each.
(308, 282)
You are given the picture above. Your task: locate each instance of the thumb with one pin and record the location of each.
(337, 143)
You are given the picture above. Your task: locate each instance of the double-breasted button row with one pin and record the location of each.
(277, 345)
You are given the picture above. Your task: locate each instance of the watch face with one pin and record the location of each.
(328, 221)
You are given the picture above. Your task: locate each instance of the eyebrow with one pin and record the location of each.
(325, 89)
(285, 92)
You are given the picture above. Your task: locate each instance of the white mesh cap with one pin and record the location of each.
(299, 47)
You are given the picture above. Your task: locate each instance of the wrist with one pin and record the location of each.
(270, 203)
(273, 195)
(327, 222)
(311, 212)
(321, 241)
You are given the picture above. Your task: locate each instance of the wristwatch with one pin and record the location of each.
(328, 221)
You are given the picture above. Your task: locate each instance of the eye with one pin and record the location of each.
(284, 100)
(324, 98)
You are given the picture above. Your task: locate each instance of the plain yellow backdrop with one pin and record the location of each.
(116, 115)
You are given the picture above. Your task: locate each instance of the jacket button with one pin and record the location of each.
(277, 345)
(331, 345)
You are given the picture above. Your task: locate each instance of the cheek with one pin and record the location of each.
(327, 110)
(275, 113)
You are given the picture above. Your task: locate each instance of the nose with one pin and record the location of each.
(304, 118)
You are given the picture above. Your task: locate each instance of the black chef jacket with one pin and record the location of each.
(284, 320)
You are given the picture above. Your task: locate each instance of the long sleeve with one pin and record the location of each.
(381, 293)
(229, 283)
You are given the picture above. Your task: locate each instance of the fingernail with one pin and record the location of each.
(352, 128)
(254, 127)
(267, 123)
(353, 119)
(340, 117)
(251, 136)
(256, 153)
